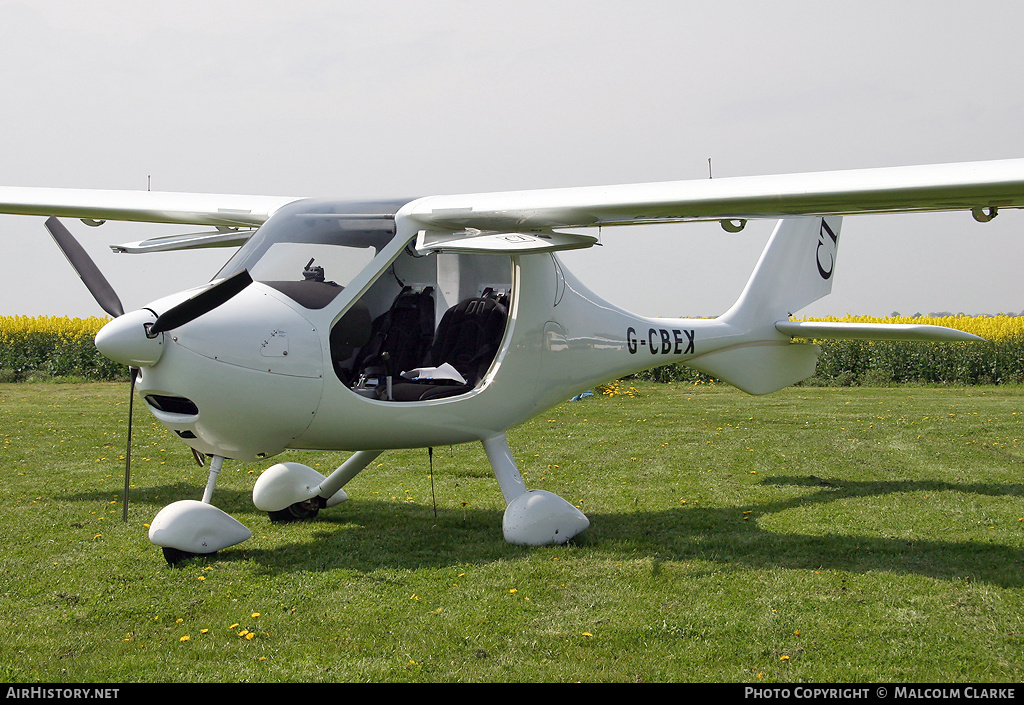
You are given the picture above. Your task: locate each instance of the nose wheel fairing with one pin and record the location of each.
(190, 528)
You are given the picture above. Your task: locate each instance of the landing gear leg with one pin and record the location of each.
(346, 471)
(532, 517)
(216, 463)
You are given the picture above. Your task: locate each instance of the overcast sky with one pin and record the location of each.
(358, 99)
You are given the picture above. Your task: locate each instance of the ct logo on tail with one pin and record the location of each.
(825, 255)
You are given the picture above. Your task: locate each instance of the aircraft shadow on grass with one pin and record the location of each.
(366, 534)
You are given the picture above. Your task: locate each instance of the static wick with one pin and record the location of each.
(710, 176)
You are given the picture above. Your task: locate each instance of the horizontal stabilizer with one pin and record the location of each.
(822, 330)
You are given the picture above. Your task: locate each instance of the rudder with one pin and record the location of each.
(795, 269)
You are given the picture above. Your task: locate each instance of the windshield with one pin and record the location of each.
(310, 250)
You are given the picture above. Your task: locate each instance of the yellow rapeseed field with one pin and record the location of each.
(59, 326)
(51, 347)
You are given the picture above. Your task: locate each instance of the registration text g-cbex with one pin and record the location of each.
(661, 341)
(825, 255)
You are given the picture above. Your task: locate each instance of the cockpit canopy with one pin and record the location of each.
(311, 249)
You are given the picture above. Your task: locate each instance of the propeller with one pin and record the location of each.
(188, 310)
(94, 280)
(203, 302)
(107, 298)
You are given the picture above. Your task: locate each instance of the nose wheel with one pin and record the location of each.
(174, 556)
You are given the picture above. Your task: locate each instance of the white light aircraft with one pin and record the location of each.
(369, 326)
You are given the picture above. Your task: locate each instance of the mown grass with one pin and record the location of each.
(816, 534)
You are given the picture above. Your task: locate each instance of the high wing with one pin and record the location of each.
(982, 187)
(470, 222)
(219, 210)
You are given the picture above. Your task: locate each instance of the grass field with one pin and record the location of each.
(816, 534)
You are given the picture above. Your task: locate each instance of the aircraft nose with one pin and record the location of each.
(126, 339)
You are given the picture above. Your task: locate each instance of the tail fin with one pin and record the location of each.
(795, 270)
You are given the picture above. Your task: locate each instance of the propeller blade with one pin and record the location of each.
(128, 451)
(94, 280)
(203, 302)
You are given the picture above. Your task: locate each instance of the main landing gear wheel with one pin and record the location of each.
(299, 511)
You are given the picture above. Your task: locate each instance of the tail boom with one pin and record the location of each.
(795, 269)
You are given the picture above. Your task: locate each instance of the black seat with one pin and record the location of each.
(467, 338)
(399, 338)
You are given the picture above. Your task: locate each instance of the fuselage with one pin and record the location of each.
(278, 365)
